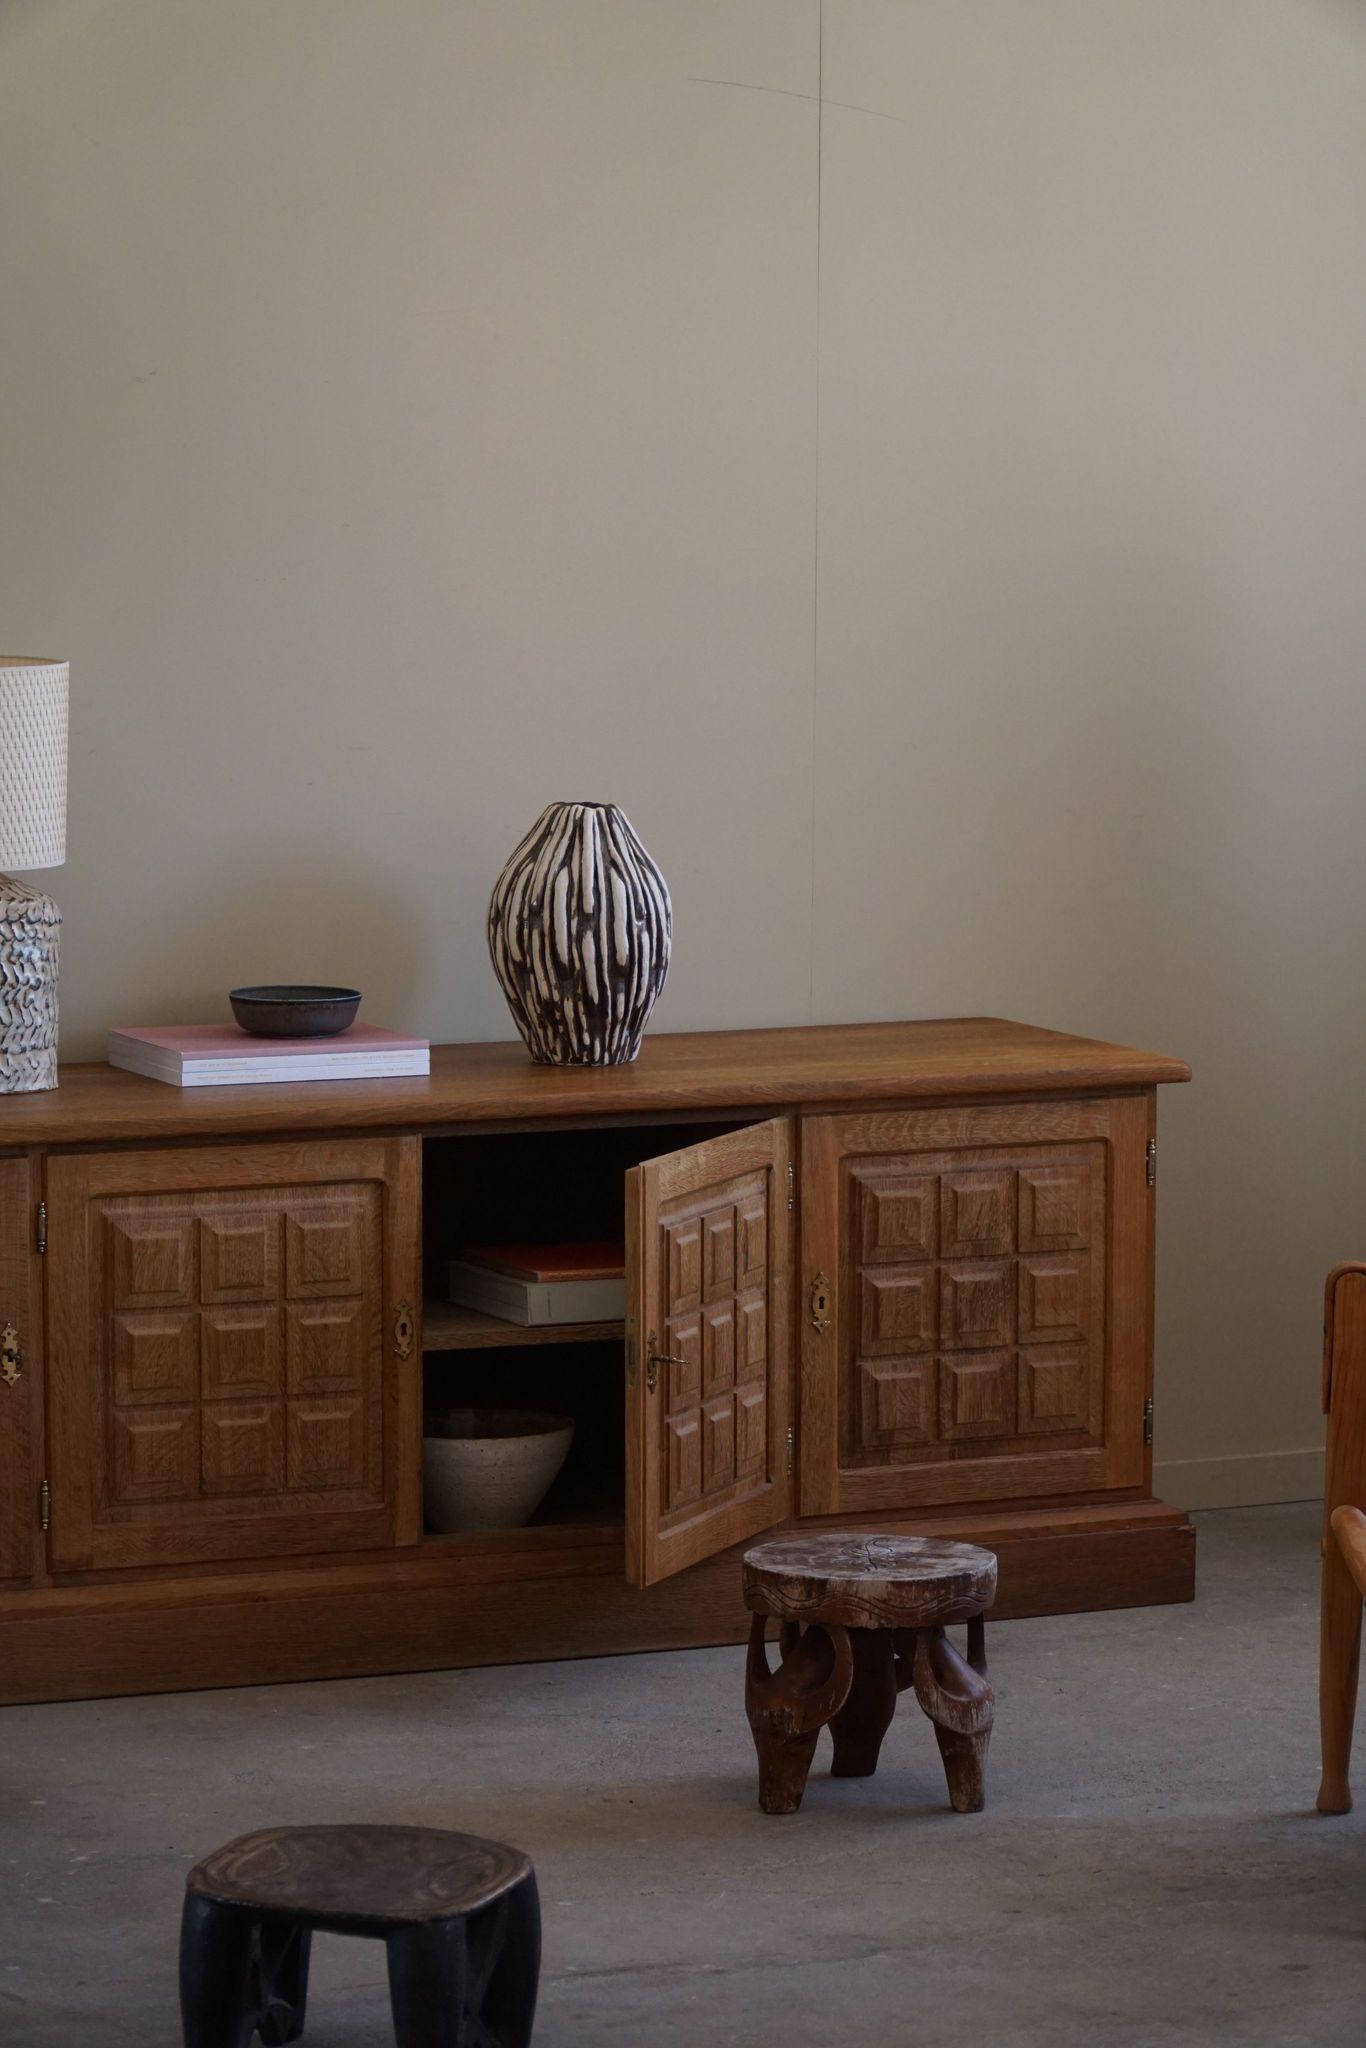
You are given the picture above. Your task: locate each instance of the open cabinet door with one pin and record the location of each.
(709, 1371)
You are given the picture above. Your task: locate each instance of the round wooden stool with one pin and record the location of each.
(861, 1618)
(459, 1917)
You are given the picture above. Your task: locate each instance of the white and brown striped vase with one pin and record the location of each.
(580, 928)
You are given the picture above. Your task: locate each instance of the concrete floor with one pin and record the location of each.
(1149, 1869)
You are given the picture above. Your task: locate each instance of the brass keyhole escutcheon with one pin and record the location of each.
(11, 1356)
(405, 1330)
(820, 1302)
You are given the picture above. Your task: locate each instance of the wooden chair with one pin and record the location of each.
(1344, 1536)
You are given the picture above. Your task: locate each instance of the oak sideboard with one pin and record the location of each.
(890, 1276)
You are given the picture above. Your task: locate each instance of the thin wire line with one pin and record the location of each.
(816, 504)
(785, 93)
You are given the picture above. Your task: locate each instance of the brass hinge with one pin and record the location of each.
(44, 1506)
(1148, 1420)
(42, 1226)
(791, 1449)
(1152, 1162)
(791, 1185)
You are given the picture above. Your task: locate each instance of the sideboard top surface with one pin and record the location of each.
(803, 1067)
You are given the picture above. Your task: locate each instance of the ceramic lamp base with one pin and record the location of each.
(28, 989)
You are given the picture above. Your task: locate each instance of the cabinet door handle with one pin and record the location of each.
(653, 1360)
(11, 1355)
(822, 1299)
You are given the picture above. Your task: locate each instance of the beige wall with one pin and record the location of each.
(410, 411)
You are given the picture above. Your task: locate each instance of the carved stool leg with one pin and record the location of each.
(429, 1987)
(961, 1704)
(505, 1963)
(859, 1726)
(965, 1759)
(218, 1949)
(784, 1767)
(283, 1993)
(787, 1708)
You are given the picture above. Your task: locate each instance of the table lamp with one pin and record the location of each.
(33, 697)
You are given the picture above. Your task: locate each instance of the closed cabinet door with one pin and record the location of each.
(975, 1304)
(708, 1361)
(235, 1353)
(21, 1376)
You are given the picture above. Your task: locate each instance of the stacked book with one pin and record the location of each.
(223, 1055)
(542, 1283)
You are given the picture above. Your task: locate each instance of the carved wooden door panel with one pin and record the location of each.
(21, 1375)
(975, 1304)
(708, 1364)
(234, 1352)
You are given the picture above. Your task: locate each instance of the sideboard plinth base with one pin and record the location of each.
(448, 1606)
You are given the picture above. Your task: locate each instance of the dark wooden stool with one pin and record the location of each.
(861, 1618)
(459, 1916)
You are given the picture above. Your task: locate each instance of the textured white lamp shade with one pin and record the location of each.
(33, 696)
(32, 835)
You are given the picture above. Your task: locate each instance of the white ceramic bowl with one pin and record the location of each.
(490, 1468)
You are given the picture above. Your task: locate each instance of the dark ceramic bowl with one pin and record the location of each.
(295, 1011)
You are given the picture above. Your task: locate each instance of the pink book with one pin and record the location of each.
(217, 1055)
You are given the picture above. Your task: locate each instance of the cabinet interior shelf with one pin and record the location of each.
(447, 1326)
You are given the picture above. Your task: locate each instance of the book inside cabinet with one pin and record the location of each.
(680, 1408)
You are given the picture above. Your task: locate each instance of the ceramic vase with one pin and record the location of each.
(580, 928)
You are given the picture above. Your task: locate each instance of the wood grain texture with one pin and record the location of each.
(21, 1404)
(959, 1700)
(1344, 1399)
(401, 1184)
(858, 1728)
(686, 1071)
(223, 1382)
(352, 1873)
(861, 1620)
(787, 1708)
(532, 1595)
(448, 1326)
(215, 1305)
(988, 1328)
(707, 1291)
(868, 1580)
(1349, 1527)
(459, 1917)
